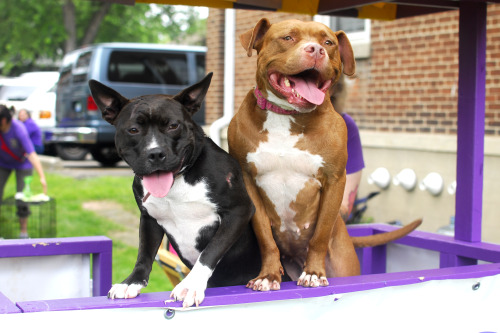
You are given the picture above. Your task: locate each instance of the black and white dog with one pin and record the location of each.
(185, 186)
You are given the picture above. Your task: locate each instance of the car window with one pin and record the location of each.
(143, 67)
(82, 67)
(200, 67)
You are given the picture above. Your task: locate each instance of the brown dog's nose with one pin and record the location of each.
(315, 50)
(156, 155)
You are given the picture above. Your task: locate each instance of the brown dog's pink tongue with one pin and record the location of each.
(308, 90)
(158, 183)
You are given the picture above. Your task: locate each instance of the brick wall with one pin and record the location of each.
(215, 63)
(493, 71)
(410, 80)
(409, 84)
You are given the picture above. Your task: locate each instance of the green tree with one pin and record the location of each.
(38, 33)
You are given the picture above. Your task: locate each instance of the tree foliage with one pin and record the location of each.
(38, 33)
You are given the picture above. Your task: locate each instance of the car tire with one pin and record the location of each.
(70, 152)
(107, 155)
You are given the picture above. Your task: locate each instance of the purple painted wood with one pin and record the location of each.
(53, 246)
(99, 246)
(451, 260)
(470, 123)
(289, 290)
(6, 306)
(436, 242)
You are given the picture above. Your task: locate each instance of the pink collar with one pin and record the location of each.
(264, 104)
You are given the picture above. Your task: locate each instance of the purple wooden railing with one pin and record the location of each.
(371, 258)
(99, 247)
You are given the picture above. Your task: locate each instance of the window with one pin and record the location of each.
(200, 66)
(82, 67)
(358, 32)
(153, 68)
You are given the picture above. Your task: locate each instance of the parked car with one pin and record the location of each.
(132, 69)
(35, 92)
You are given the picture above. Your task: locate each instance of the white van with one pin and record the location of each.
(35, 92)
(132, 69)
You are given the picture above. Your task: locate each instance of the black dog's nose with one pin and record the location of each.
(156, 155)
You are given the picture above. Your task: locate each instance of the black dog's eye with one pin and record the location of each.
(173, 126)
(133, 130)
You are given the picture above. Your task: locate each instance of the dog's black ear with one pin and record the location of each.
(108, 100)
(193, 96)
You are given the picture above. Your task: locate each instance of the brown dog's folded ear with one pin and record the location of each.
(250, 39)
(346, 53)
(108, 100)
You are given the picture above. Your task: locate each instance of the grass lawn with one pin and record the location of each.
(74, 221)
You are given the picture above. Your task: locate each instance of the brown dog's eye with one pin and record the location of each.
(329, 42)
(288, 38)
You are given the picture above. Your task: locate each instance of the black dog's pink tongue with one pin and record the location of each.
(158, 183)
(308, 90)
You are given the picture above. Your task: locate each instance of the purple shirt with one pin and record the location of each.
(34, 132)
(19, 142)
(355, 160)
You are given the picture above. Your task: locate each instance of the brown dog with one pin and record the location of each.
(292, 147)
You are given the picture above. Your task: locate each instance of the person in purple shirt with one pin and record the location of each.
(355, 162)
(17, 153)
(33, 130)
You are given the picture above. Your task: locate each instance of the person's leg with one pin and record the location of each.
(23, 210)
(4, 176)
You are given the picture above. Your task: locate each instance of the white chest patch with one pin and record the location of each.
(183, 212)
(282, 169)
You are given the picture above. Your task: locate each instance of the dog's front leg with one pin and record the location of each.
(314, 273)
(233, 220)
(150, 237)
(271, 271)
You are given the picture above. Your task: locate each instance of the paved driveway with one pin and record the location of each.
(83, 169)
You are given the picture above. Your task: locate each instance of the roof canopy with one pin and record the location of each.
(387, 10)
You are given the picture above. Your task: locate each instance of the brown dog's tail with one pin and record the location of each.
(386, 237)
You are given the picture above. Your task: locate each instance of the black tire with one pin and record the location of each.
(107, 155)
(70, 152)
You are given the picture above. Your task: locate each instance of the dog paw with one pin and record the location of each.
(122, 290)
(312, 280)
(263, 285)
(191, 290)
(188, 292)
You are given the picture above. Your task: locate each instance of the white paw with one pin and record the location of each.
(122, 290)
(264, 285)
(191, 290)
(190, 293)
(308, 280)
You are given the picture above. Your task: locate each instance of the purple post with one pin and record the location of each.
(452, 260)
(101, 273)
(99, 246)
(470, 127)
